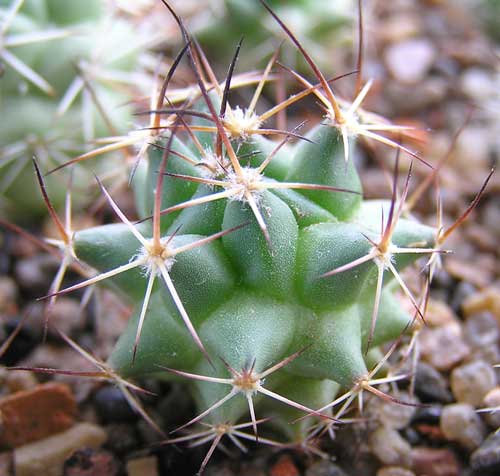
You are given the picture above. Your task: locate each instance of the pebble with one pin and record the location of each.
(19, 380)
(24, 343)
(430, 385)
(461, 293)
(31, 273)
(486, 300)
(434, 462)
(325, 468)
(392, 415)
(46, 457)
(390, 447)
(492, 400)
(122, 438)
(112, 406)
(486, 459)
(472, 381)
(147, 466)
(460, 423)
(406, 99)
(472, 150)
(439, 313)
(477, 84)
(430, 415)
(6, 463)
(33, 414)
(460, 268)
(394, 471)
(490, 354)
(52, 356)
(443, 347)
(400, 27)
(491, 216)
(284, 466)
(481, 330)
(8, 295)
(410, 60)
(93, 462)
(67, 316)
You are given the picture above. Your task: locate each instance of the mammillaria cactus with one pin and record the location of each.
(257, 271)
(67, 80)
(262, 271)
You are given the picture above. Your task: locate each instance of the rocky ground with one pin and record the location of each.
(54, 424)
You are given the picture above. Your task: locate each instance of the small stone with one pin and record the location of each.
(400, 27)
(392, 415)
(481, 330)
(491, 216)
(430, 385)
(487, 457)
(52, 356)
(430, 415)
(34, 414)
(394, 471)
(6, 463)
(439, 313)
(488, 353)
(390, 447)
(472, 149)
(430, 432)
(477, 84)
(46, 457)
(8, 295)
(112, 406)
(486, 300)
(147, 466)
(472, 381)
(31, 273)
(66, 315)
(409, 61)
(325, 468)
(460, 423)
(443, 347)
(434, 462)
(19, 380)
(284, 466)
(492, 400)
(122, 438)
(22, 345)
(461, 293)
(93, 462)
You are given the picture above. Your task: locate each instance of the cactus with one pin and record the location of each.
(263, 277)
(67, 80)
(258, 273)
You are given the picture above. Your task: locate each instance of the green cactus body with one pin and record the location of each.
(51, 112)
(253, 300)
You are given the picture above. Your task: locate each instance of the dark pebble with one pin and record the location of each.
(431, 415)
(462, 291)
(485, 461)
(430, 385)
(412, 436)
(175, 398)
(21, 346)
(91, 462)
(122, 438)
(112, 406)
(325, 468)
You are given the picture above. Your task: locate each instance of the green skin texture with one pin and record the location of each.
(252, 305)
